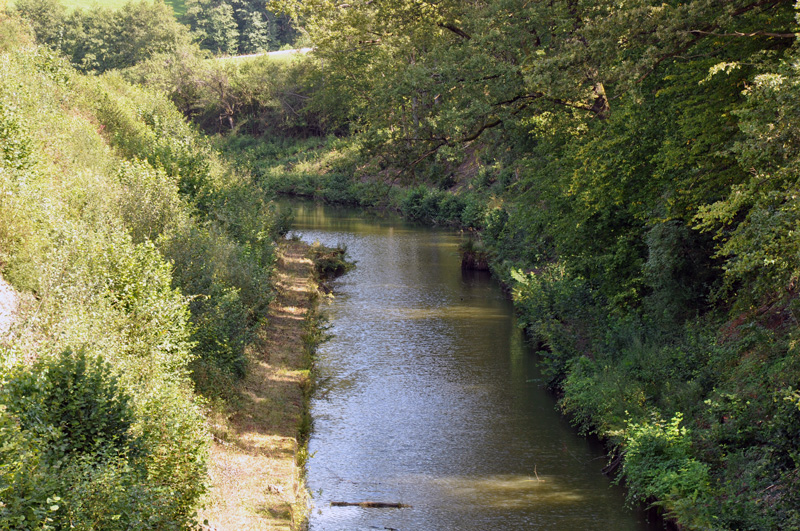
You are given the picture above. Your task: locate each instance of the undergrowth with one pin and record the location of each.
(143, 262)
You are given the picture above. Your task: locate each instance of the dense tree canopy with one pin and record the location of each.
(238, 26)
(450, 71)
(641, 101)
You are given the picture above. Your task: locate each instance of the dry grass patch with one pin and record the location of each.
(256, 481)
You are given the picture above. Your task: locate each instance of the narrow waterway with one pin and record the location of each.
(430, 397)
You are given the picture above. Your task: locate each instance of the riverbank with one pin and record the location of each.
(684, 391)
(256, 476)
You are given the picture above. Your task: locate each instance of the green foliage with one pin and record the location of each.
(757, 220)
(150, 203)
(72, 405)
(677, 270)
(16, 167)
(330, 263)
(131, 240)
(19, 477)
(555, 308)
(422, 203)
(46, 18)
(635, 186)
(214, 26)
(257, 96)
(224, 265)
(237, 26)
(659, 466)
(101, 38)
(72, 457)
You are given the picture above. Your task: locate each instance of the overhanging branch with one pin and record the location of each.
(708, 30)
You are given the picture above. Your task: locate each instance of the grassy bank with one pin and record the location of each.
(142, 265)
(257, 454)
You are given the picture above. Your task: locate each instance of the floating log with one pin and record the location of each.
(371, 505)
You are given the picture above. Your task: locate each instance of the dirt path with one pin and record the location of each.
(256, 481)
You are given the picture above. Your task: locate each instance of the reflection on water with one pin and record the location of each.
(453, 312)
(509, 491)
(430, 397)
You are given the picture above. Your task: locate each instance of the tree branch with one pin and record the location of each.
(479, 132)
(458, 31)
(700, 34)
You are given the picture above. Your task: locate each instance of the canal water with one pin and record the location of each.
(429, 396)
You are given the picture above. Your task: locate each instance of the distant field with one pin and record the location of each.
(177, 5)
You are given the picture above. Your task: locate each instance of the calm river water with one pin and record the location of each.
(430, 397)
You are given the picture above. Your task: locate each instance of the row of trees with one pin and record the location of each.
(104, 39)
(101, 39)
(238, 26)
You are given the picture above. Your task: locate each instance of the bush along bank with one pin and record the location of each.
(329, 169)
(702, 418)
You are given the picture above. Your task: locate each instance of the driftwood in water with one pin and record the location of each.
(371, 505)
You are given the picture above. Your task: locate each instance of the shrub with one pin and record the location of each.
(474, 212)
(552, 306)
(72, 456)
(74, 406)
(330, 262)
(149, 203)
(415, 205)
(659, 466)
